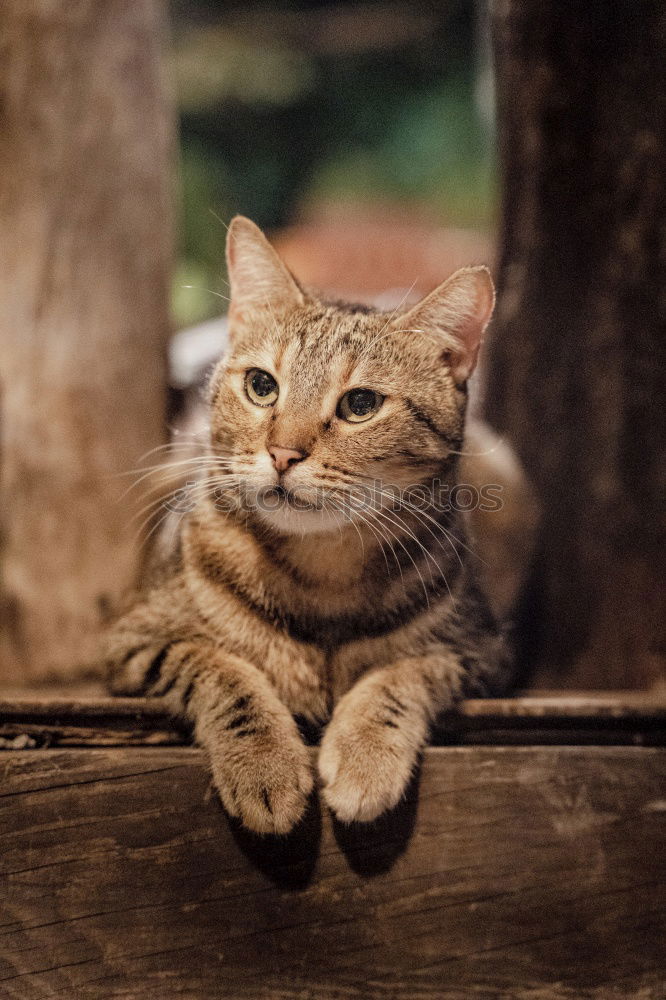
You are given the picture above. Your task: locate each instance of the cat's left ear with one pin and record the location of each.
(456, 313)
(258, 278)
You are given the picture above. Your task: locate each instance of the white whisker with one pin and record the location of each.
(200, 288)
(374, 513)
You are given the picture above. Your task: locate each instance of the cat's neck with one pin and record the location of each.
(332, 559)
(360, 569)
(375, 548)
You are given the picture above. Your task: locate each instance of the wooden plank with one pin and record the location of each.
(96, 721)
(87, 130)
(507, 873)
(583, 720)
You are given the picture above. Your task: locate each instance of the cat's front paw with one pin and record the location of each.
(369, 752)
(263, 781)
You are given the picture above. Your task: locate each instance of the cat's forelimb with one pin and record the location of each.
(260, 766)
(372, 744)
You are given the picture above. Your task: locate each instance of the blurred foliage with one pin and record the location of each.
(288, 105)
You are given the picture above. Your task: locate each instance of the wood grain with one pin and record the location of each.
(574, 377)
(508, 873)
(86, 141)
(586, 719)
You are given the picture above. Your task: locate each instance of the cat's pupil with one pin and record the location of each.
(361, 401)
(263, 383)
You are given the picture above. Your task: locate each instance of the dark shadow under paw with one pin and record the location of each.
(288, 860)
(373, 848)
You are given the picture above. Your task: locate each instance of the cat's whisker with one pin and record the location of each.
(416, 514)
(158, 488)
(449, 538)
(161, 464)
(419, 514)
(199, 462)
(222, 223)
(165, 502)
(381, 537)
(378, 492)
(329, 505)
(374, 513)
(158, 503)
(454, 538)
(480, 454)
(163, 467)
(399, 523)
(196, 439)
(140, 531)
(190, 490)
(204, 452)
(429, 557)
(360, 538)
(200, 288)
(377, 337)
(419, 511)
(164, 464)
(174, 493)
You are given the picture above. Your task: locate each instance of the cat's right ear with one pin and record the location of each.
(456, 315)
(258, 278)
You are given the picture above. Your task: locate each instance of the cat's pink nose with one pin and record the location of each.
(284, 458)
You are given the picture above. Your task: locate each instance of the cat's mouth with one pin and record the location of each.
(279, 497)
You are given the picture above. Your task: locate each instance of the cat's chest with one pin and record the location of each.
(316, 660)
(313, 632)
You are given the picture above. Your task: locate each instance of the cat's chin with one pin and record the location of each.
(290, 521)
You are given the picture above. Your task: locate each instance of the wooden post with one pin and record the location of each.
(576, 364)
(85, 255)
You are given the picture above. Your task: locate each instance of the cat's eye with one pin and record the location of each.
(358, 405)
(261, 388)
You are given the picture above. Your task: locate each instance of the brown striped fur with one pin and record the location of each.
(369, 623)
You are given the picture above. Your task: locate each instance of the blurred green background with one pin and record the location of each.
(289, 106)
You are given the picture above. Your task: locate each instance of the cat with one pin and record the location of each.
(307, 580)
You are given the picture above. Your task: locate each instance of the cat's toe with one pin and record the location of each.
(277, 805)
(363, 778)
(269, 792)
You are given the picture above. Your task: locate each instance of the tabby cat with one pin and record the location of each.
(306, 582)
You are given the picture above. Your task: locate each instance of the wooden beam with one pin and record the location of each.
(629, 719)
(508, 873)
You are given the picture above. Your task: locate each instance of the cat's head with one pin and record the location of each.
(315, 404)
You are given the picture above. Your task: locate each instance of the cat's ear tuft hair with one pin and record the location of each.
(257, 276)
(456, 313)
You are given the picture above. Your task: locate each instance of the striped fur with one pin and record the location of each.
(368, 622)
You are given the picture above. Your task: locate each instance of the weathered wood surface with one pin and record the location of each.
(575, 364)
(508, 873)
(584, 720)
(86, 140)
